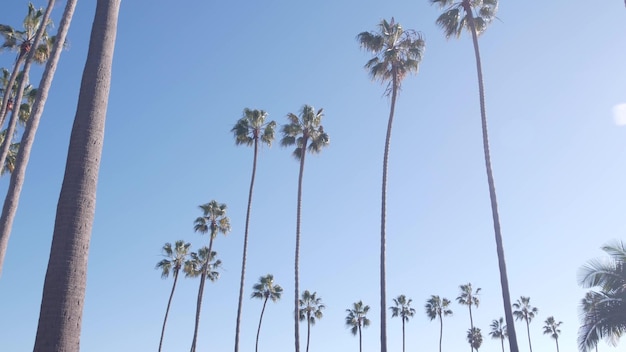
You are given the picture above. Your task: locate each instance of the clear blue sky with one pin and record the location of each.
(184, 72)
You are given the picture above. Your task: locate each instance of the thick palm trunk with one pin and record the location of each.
(167, 310)
(60, 318)
(504, 282)
(203, 276)
(6, 221)
(440, 331)
(258, 331)
(308, 331)
(383, 212)
(245, 245)
(297, 256)
(528, 332)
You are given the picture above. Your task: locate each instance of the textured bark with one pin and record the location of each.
(383, 212)
(5, 231)
(305, 141)
(504, 282)
(167, 310)
(60, 318)
(245, 243)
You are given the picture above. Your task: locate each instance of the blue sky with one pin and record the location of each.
(184, 73)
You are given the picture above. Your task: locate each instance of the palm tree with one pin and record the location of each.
(250, 130)
(310, 310)
(8, 149)
(34, 33)
(306, 133)
(357, 319)
(403, 310)
(474, 16)
(213, 221)
(437, 307)
(552, 328)
(265, 289)
(61, 310)
(475, 338)
(498, 330)
(175, 257)
(397, 53)
(604, 312)
(468, 297)
(524, 311)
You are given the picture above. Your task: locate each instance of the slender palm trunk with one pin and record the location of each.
(504, 282)
(245, 245)
(5, 233)
(60, 317)
(308, 331)
(528, 332)
(557, 344)
(383, 212)
(360, 340)
(440, 331)
(203, 276)
(167, 310)
(471, 322)
(502, 342)
(297, 259)
(403, 339)
(258, 331)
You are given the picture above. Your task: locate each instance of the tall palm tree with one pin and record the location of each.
(552, 328)
(397, 53)
(526, 312)
(60, 316)
(475, 338)
(498, 330)
(437, 307)
(310, 310)
(306, 133)
(604, 311)
(250, 130)
(265, 289)
(474, 16)
(357, 319)
(212, 221)
(9, 149)
(403, 310)
(175, 257)
(468, 297)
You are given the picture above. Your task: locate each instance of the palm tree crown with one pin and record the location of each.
(437, 307)
(357, 317)
(311, 307)
(267, 289)
(402, 308)
(455, 17)
(252, 127)
(475, 338)
(524, 311)
(498, 329)
(213, 219)
(305, 131)
(201, 261)
(552, 328)
(22, 40)
(175, 257)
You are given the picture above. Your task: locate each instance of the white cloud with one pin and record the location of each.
(619, 114)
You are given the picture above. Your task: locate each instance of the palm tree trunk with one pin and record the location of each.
(61, 311)
(383, 212)
(471, 322)
(297, 256)
(528, 331)
(502, 342)
(557, 344)
(258, 331)
(167, 310)
(440, 331)
(492, 188)
(403, 340)
(203, 276)
(308, 331)
(360, 339)
(245, 245)
(5, 231)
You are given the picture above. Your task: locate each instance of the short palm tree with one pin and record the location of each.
(469, 298)
(212, 221)
(357, 319)
(175, 257)
(266, 290)
(204, 266)
(498, 330)
(604, 311)
(474, 16)
(250, 130)
(524, 311)
(552, 328)
(397, 53)
(475, 338)
(307, 134)
(310, 310)
(403, 310)
(437, 307)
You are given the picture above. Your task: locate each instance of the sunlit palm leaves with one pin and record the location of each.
(455, 19)
(305, 131)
